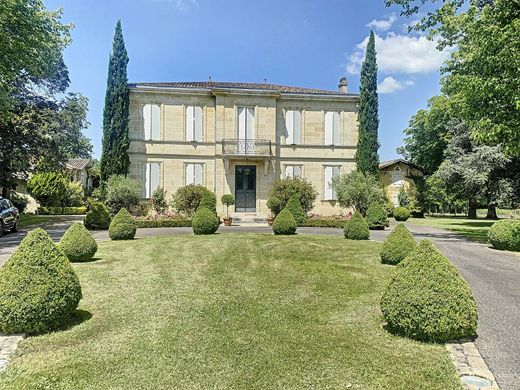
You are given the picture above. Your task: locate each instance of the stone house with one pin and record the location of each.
(77, 170)
(239, 138)
(396, 174)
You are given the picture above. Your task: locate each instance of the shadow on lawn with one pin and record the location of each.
(77, 317)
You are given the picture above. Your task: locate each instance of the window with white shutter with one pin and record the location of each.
(152, 122)
(194, 123)
(330, 173)
(151, 178)
(293, 171)
(246, 123)
(293, 127)
(332, 128)
(193, 174)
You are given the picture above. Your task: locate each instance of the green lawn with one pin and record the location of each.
(31, 219)
(230, 311)
(474, 229)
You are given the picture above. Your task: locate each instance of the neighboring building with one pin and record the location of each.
(77, 170)
(239, 138)
(396, 174)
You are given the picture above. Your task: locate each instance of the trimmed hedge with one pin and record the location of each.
(162, 222)
(80, 210)
(39, 289)
(295, 207)
(284, 223)
(332, 223)
(505, 235)
(98, 217)
(376, 217)
(204, 221)
(122, 226)
(356, 228)
(428, 300)
(397, 245)
(401, 214)
(78, 244)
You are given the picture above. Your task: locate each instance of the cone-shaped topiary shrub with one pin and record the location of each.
(98, 217)
(398, 245)
(39, 289)
(428, 300)
(78, 244)
(356, 228)
(296, 209)
(204, 221)
(505, 235)
(401, 214)
(209, 201)
(376, 217)
(122, 226)
(284, 223)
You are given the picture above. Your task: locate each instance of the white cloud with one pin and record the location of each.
(390, 84)
(397, 53)
(383, 24)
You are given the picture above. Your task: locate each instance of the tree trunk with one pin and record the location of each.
(472, 209)
(491, 211)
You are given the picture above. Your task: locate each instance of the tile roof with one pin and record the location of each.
(237, 85)
(77, 163)
(388, 163)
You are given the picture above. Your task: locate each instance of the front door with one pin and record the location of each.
(245, 188)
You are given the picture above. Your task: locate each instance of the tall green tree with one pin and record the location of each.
(367, 158)
(114, 156)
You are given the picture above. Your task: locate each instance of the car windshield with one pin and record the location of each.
(4, 204)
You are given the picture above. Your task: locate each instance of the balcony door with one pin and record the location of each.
(246, 129)
(245, 188)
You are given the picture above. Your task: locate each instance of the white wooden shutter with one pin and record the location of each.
(297, 171)
(289, 127)
(329, 125)
(297, 127)
(198, 173)
(288, 171)
(335, 139)
(198, 124)
(335, 172)
(189, 123)
(142, 171)
(250, 121)
(241, 123)
(328, 179)
(147, 121)
(190, 174)
(155, 114)
(154, 177)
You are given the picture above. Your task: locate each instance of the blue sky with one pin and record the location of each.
(294, 42)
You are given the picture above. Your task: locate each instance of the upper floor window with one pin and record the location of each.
(397, 177)
(293, 127)
(332, 128)
(246, 123)
(194, 123)
(193, 174)
(152, 122)
(151, 178)
(293, 171)
(330, 173)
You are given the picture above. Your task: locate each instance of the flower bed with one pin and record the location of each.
(332, 221)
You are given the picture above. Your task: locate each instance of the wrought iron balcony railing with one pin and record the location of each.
(246, 147)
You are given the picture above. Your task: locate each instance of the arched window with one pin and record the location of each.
(397, 177)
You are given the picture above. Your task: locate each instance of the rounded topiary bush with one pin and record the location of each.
(428, 300)
(204, 221)
(376, 217)
(122, 226)
(78, 244)
(296, 209)
(356, 228)
(98, 217)
(39, 289)
(284, 223)
(505, 235)
(209, 201)
(401, 214)
(398, 245)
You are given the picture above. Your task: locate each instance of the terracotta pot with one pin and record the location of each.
(228, 221)
(270, 221)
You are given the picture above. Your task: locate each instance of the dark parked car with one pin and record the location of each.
(9, 216)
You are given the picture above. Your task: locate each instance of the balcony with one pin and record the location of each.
(251, 149)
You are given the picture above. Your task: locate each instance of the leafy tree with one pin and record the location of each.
(187, 199)
(285, 188)
(160, 205)
(48, 188)
(122, 192)
(357, 190)
(114, 157)
(367, 159)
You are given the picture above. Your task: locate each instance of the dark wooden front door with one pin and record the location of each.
(245, 188)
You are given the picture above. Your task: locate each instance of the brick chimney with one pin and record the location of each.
(343, 85)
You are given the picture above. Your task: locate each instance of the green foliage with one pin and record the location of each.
(48, 188)
(20, 201)
(122, 192)
(81, 210)
(39, 289)
(227, 200)
(389, 208)
(402, 196)
(122, 226)
(77, 243)
(505, 235)
(376, 217)
(114, 156)
(187, 199)
(367, 159)
(274, 204)
(209, 201)
(74, 195)
(294, 206)
(357, 190)
(325, 222)
(143, 222)
(356, 228)
(98, 217)
(204, 221)
(284, 223)
(428, 300)
(285, 188)
(397, 245)
(159, 203)
(401, 214)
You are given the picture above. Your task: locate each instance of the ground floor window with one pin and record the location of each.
(293, 171)
(193, 174)
(151, 179)
(330, 173)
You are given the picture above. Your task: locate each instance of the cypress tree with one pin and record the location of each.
(114, 157)
(367, 158)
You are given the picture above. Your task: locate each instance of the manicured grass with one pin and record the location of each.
(30, 219)
(474, 229)
(230, 311)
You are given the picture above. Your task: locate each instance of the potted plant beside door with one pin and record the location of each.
(228, 200)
